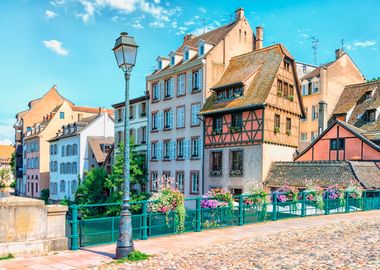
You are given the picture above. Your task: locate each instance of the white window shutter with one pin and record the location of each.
(200, 79)
(190, 82)
(161, 93)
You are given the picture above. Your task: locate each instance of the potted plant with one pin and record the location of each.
(235, 129)
(167, 200)
(291, 98)
(313, 196)
(216, 131)
(276, 130)
(333, 196)
(288, 132)
(285, 194)
(354, 194)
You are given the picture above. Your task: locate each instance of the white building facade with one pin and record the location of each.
(72, 156)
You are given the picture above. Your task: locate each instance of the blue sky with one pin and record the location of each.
(69, 42)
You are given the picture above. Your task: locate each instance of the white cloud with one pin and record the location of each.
(89, 10)
(50, 14)
(57, 2)
(191, 22)
(137, 25)
(360, 44)
(206, 28)
(202, 9)
(55, 46)
(157, 24)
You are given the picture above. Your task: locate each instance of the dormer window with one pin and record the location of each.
(187, 56)
(230, 93)
(159, 65)
(368, 95)
(201, 49)
(371, 116)
(172, 60)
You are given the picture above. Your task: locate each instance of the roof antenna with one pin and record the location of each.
(314, 47)
(204, 25)
(342, 42)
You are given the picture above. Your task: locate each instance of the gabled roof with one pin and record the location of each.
(90, 109)
(360, 133)
(259, 68)
(324, 174)
(6, 152)
(352, 94)
(213, 36)
(96, 146)
(317, 71)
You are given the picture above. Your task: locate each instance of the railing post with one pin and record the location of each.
(327, 210)
(74, 227)
(303, 208)
(364, 200)
(346, 196)
(113, 229)
(198, 215)
(144, 221)
(241, 211)
(274, 206)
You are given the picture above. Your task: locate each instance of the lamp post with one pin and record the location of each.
(125, 51)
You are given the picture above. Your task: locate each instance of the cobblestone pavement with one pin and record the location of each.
(346, 245)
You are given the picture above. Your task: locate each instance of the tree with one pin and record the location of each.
(115, 180)
(5, 177)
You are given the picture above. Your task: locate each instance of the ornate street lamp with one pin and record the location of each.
(125, 52)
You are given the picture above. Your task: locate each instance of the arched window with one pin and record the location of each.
(74, 186)
(62, 186)
(74, 168)
(68, 169)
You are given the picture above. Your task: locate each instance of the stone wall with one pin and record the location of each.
(29, 227)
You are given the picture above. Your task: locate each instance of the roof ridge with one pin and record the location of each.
(364, 83)
(256, 51)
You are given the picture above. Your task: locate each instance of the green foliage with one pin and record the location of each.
(9, 256)
(5, 177)
(134, 256)
(13, 184)
(45, 195)
(65, 202)
(374, 79)
(13, 163)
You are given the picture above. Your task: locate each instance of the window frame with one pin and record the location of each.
(194, 172)
(232, 168)
(214, 171)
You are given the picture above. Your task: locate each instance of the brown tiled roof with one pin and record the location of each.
(6, 152)
(368, 173)
(213, 36)
(131, 101)
(261, 65)
(324, 174)
(95, 144)
(316, 72)
(352, 94)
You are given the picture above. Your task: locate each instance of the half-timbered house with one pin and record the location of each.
(251, 118)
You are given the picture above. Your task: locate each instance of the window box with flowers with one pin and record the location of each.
(291, 98)
(288, 132)
(313, 196)
(254, 204)
(285, 196)
(215, 172)
(353, 196)
(236, 172)
(235, 129)
(334, 198)
(216, 131)
(276, 130)
(170, 202)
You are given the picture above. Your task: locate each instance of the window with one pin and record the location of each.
(154, 180)
(236, 163)
(216, 163)
(187, 56)
(156, 92)
(179, 181)
(291, 90)
(304, 89)
(132, 135)
(119, 115)
(236, 122)
(286, 89)
(74, 186)
(68, 150)
(119, 138)
(314, 112)
(131, 111)
(313, 135)
(279, 88)
(195, 80)
(51, 150)
(143, 109)
(62, 151)
(287, 66)
(194, 182)
(310, 88)
(217, 125)
(68, 168)
(194, 114)
(168, 119)
(181, 83)
(154, 150)
(371, 116)
(172, 60)
(288, 126)
(334, 144)
(181, 117)
(195, 145)
(304, 69)
(154, 121)
(276, 123)
(62, 186)
(80, 116)
(55, 166)
(62, 115)
(180, 148)
(303, 136)
(167, 150)
(315, 87)
(74, 169)
(201, 50)
(167, 88)
(55, 149)
(75, 149)
(166, 175)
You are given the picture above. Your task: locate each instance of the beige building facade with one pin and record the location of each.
(321, 89)
(178, 90)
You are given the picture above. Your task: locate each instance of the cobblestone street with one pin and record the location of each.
(344, 245)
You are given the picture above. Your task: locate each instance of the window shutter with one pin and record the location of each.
(189, 82)
(171, 119)
(172, 83)
(158, 119)
(138, 109)
(161, 90)
(148, 151)
(200, 144)
(200, 79)
(159, 150)
(138, 139)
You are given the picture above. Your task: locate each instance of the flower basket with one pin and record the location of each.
(334, 197)
(215, 172)
(285, 195)
(313, 197)
(216, 131)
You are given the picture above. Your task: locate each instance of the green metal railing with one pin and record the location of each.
(103, 228)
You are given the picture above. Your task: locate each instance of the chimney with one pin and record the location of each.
(239, 14)
(338, 53)
(187, 37)
(259, 37)
(322, 117)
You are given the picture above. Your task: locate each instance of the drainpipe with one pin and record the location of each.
(203, 124)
